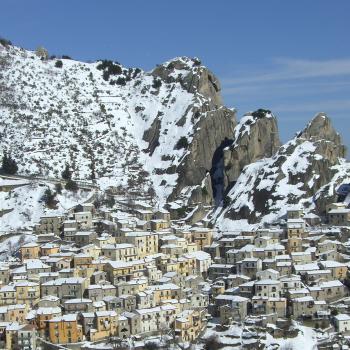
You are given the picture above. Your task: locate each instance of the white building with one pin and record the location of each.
(342, 322)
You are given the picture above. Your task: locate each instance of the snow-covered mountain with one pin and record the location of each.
(165, 129)
(306, 171)
(112, 123)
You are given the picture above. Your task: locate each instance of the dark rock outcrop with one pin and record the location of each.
(152, 136)
(211, 130)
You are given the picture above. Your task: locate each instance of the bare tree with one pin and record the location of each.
(212, 343)
(21, 240)
(42, 53)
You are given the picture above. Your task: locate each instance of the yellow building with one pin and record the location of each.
(146, 243)
(105, 325)
(43, 315)
(123, 270)
(295, 231)
(49, 249)
(202, 236)
(189, 324)
(122, 251)
(29, 251)
(165, 264)
(65, 329)
(159, 224)
(132, 287)
(187, 265)
(165, 291)
(338, 270)
(82, 260)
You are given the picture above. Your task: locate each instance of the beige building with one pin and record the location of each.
(295, 231)
(165, 292)
(29, 251)
(50, 224)
(121, 251)
(202, 236)
(155, 319)
(231, 308)
(267, 305)
(339, 217)
(146, 243)
(27, 292)
(338, 270)
(268, 288)
(65, 288)
(307, 307)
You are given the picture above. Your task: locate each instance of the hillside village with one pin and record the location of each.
(130, 275)
(137, 212)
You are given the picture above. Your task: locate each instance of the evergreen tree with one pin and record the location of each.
(66, 173)
(49, 199)
(110, 202)
(59, 64)
(58, 188)
(9, 165)
(71, 186)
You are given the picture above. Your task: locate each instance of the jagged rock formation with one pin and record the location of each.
(212, 130)
(300, 169)
(254, 137)
(198, 79)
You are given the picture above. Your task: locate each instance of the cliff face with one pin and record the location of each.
(214, 123)
(309, 163)
(255, 137)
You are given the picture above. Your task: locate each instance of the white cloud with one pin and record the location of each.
(319, 106)
(299, 87)
(291, 69)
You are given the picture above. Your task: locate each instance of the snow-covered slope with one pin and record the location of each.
(24, 205)
(166, 128)
(106, 120)
(306, 170)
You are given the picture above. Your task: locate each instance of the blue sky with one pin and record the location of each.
(292, 57)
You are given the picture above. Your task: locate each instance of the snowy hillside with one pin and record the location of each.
(306, 170)
(166, 129)
(101, 118)
(26, 206)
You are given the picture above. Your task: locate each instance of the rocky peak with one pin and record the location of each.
(321, 128)
(328, 141)
(193, 77)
